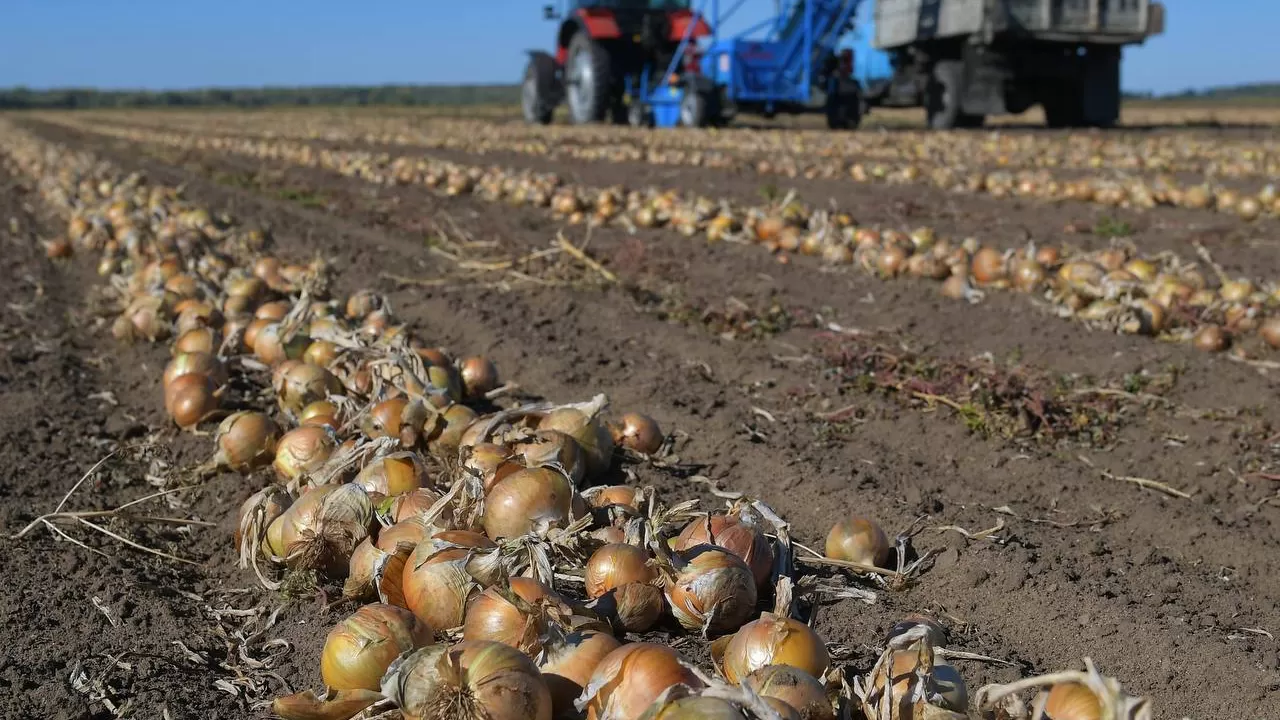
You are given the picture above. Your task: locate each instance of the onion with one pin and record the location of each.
(245, 441)
(988, 266)
(273, 311)
(774, 640)
(271, 501)
(392, 475)
(197, 340)
(319, 408)
(377, 571)
(1211, 338)
(944, 679)
(201, 363)
(605, 495)
(857, 539)
(634, 607)
(361, 304)
(529, 500)
(320, 352)
(592, 437)
(302, 384)
(615, 565)
(343, 705)
(190, 399)
(1270, 331)
(1072, 701)
(414, 503)
(437, 585)
(359, 649)
(744, 539)
(384, 418)
(697, 707)
(473, 680)
(513, 616)
(490, 463)
(457, 418)
(303, 450)
(273, 349)
(323, 527)
(479, 376)
(629, 679)
(638, 432)
(567, 663)
(714, 591)
(795, 688)
(553, 449)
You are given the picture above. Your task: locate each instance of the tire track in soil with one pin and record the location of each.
(1046, 598)
(53, 359)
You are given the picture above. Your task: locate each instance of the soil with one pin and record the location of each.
(1168, 594)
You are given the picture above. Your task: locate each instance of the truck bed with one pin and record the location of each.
(903, 22)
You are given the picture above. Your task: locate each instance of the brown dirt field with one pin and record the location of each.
(1155, 589)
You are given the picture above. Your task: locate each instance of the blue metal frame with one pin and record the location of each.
(760, 73)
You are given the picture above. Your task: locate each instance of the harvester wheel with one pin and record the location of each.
(587, 74)
(538, 95)
(844, 105)
(943, 97)
(638, 115)
(695, 109)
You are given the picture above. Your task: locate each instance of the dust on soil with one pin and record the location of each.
(1155, 589)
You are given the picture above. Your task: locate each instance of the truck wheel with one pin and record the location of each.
(1065, 108)
(943, 97)
(844, 105)
(586, 76)
(694, 110)
(538, 95)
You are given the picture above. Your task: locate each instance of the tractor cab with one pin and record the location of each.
(606, 52)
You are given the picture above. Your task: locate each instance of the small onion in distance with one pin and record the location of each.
(857, 539)
(638, 432)
(359, 649)
(190, 399)
(245, 440)
(479, 376)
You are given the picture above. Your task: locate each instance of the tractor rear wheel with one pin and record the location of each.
(587, 76)
(538, 95)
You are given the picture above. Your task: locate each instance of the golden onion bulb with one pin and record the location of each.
(774, 640)
(1072, 701)
(857, 539)
(793, 687)
(638, 432)
(303, 450)
(591, 435)
(629, 679)
(713, 589)
(568, 662)
(744, 539)
(473, 680)
(393, 474)
(612, 566)
(528, 500)
(358, 650)
(245, 440)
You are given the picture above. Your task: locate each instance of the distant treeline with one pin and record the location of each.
(78, 98)
(407, 95)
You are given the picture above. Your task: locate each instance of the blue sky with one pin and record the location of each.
(153, 44)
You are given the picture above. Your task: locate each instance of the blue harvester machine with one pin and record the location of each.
(662, 63)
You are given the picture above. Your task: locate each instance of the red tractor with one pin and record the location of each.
(606, 52)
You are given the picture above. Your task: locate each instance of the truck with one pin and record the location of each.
(963, 60)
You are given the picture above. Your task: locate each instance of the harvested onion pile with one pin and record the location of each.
(494, 574)
(1116, 289)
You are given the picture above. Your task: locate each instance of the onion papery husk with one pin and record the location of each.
(582, 423)
(908, 682)
(441, 579)
(473, 680)
(516, 614)
(377, 573)
(629, 680)
(711, 590)
(739, 534)
(257, 515)
(245, 441)
(567, 660)
(393, 474)
(338, 705)
(324, 526)
(794, 688)
(634, 607)
(773, 640)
